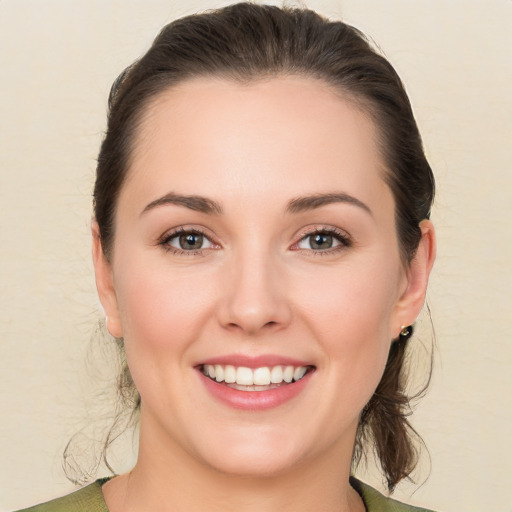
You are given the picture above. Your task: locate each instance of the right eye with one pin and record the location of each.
(187, 241)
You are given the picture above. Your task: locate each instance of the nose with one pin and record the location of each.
(254, 298)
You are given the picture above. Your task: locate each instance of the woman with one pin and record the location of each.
(262, 247)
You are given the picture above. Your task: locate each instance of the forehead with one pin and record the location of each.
(283, 135)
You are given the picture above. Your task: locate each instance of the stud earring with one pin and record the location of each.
(405, 331)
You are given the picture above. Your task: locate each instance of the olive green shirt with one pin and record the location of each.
(90, 499)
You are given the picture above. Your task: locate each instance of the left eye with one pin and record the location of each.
(319, 242)
(189, 241)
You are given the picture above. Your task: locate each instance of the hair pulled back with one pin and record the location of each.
(246, 42)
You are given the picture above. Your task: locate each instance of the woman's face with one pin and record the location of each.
(255, 233)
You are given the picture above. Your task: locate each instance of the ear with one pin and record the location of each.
(412, 299)
(105, 284)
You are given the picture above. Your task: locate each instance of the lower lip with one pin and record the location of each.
(255, 400)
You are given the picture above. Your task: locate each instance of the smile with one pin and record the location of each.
(254, 379)
(255, 385)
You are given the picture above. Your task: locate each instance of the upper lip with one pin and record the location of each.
(254, 361)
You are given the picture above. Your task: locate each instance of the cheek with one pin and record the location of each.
(351, 303)
(162, 312)
(160, 308)
(352, 319)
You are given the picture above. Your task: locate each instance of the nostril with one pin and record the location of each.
(235, 325)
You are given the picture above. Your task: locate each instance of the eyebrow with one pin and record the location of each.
(297, 205)
(301, 204)
(196, 203)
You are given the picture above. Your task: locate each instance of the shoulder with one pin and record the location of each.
(87, 499)
(376, 502)
(90, 499)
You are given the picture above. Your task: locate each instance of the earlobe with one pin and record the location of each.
(105, 284)
(418, 272)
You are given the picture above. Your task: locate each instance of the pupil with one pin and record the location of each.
(191, 241)
(322, 242)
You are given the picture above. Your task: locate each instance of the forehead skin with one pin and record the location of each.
(226, 116)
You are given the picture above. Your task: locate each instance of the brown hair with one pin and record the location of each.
(245, 42)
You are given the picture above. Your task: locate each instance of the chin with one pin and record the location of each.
(254, 458)
(254, 467)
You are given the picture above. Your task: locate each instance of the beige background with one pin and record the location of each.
(57, 61)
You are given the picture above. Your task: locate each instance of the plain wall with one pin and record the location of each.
(57, 61)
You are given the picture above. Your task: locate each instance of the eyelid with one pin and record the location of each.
(344, 239)
(184, 229)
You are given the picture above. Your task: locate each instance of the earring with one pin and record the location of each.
(406, 331)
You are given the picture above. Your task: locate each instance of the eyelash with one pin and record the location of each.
(343, 239)
(166, 239)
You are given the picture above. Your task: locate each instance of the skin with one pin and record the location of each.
(256, 286)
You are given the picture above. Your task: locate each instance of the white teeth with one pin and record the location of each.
(219, 373)
(244, 376)
(288, 373)
(264, 376)
(276, 375)
(229, 374)
(299, 373)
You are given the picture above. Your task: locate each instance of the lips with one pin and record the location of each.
(255, 383)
